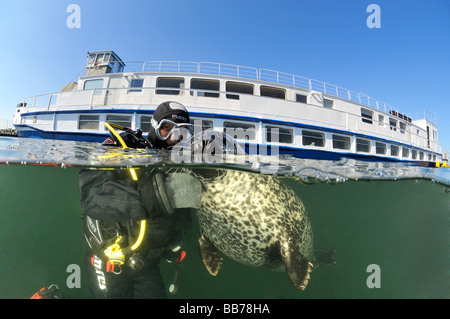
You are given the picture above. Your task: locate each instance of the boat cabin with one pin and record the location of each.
(101, 62)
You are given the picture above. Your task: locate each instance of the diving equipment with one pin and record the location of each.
(170, 121)
(136, 262)
(170, 129)
(113, 241)
(161, 194)
(50, 292)
(127, 139)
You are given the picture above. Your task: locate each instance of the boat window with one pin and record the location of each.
(124, 120)
(394, 150)
(136, 84)
(24, 119)
(106, 58)
(392, 124)
(91, 59)
(328, 103)
(204, 84)
(238, 87)
(176, 83)
(300, 98)
(34, 119)
(145, 123)
(381, 120)
(240, 130)
(88, 122)
(366, 116)
(434, 158)
(279, 134)
(380, 148)
(202, 125)
(421, 156)
(402, 127)
(93, 84)
(313, 138)
(99, 58)
(272, 92)
(429, 156)
(341, 142)
(405, 152)
(362, 145)
(121, 66)
(414, 154)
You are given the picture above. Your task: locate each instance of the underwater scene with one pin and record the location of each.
(286, 229)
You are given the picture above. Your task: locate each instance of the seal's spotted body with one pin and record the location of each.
(256, 220)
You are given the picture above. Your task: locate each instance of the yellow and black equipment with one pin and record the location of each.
(115, 252)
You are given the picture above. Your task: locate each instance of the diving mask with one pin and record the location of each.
(169, 129)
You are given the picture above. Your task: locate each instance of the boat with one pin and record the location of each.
(266, 110)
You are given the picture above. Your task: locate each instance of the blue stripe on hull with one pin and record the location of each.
(29, 132)
(322, 155)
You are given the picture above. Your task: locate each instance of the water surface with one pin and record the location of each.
(391, 215)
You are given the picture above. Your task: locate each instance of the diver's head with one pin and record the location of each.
(171, 122)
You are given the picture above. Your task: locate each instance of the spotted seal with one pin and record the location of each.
(256, 220)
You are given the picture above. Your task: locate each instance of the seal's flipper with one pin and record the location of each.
(297, 266)
(210, 255)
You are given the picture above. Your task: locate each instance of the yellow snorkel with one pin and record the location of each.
(117, 135)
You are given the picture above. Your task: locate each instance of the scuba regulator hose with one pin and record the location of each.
(141, 235)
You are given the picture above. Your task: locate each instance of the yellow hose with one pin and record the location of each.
(134, 176)
(141, 235)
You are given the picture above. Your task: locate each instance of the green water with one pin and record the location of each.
(402, 226)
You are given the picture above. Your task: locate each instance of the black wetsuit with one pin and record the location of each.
(115, 203)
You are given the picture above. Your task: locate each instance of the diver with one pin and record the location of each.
(132, 221)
